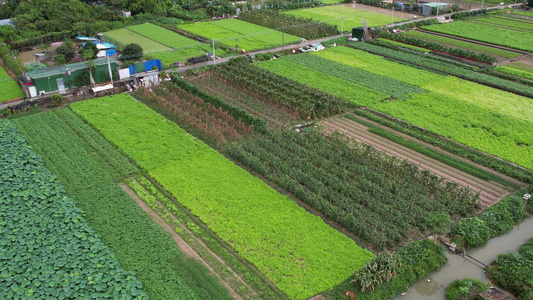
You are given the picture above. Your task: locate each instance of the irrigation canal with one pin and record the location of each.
(433, 286)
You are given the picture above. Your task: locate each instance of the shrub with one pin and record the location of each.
(474, 231)
(464, 289)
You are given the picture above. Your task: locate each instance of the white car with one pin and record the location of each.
(312, 48)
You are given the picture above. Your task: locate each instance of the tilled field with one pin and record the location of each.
(491, 192)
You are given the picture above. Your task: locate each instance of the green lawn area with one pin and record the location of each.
(352, 17)
(8, 87)
(125, 36)
(484, 33)
(461, 44)
(233, 32)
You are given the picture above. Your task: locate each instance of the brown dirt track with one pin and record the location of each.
(491, 192)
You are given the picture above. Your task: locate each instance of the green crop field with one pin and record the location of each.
(487, 119)
(482, 32)
(351, 17)
(293, 248)
(516, 70)
(164, 36)
(88, 166)
(48, 249)
(501, 21)
(10, 89)
(233, 32)
(125, 37)
(461, 44)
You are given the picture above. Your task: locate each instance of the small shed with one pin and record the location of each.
(126, 13)
(62, 77)
(7, 22)
(427, 8)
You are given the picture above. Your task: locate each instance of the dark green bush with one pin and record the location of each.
(465, 289)
(474, 231)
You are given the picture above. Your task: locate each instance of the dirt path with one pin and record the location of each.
(491, 192)
(182, 245)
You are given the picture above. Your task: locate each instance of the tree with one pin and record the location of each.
(66, 50)
(132, 52)
(88, 51)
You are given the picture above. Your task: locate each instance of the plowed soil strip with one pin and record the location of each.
(491, 192)
(182, 245)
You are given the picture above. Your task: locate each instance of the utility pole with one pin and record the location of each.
(438, 6)
(392, 22)
(283, 38)
(214, 56)
(342, 24)
(109, 69)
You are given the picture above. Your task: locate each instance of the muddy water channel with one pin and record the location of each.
(433, 286)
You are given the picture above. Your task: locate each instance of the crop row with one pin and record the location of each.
(339, 87)
(48, 249)
(481, 32)
(516, 71)
(276, 89)
(297, 26)
(296, 250)
(483, 57)
(447, 66)
(379, 198)
(394, 88)
(498, 21)
(461, 44)
(192, 113)
(75, 153)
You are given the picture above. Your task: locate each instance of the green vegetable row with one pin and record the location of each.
(48, 249)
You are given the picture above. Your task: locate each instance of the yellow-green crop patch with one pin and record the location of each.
(233, 32)
(125, 37)
(296, 250)
(351, 17)
(10, 89)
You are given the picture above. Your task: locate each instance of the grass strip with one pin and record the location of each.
(453, 162)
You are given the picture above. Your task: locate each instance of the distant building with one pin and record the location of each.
(61, 78)
(427, 8)
(126, 13)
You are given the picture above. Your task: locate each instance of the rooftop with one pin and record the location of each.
(53, 71)
(435, 4)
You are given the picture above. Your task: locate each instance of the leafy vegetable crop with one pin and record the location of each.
(125, 37)
(293, 248)
(47, 247)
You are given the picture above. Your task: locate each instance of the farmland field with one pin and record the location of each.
(10, 89)
(478, 116)
(87, 164)
(482, 32)
(461, 44)
(234, 32)
(293, 248)
(352, 17)
(50, 248)
(164, 36)
(125, 37)
(517, 70)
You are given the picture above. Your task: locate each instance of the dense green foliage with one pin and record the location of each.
(464, 289)
(482, 32)
(483, 57)
(333, 15)
(241, 34)
(278, 90)
(10, 89)
(417, 260)
(452, 147)
(298, 26)
(87, 164)
(513, 271)
(461, 44)
(494, 221)
(254, 219)
(48, 249)
(380, 198)
(440, 64)
(380, 270)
